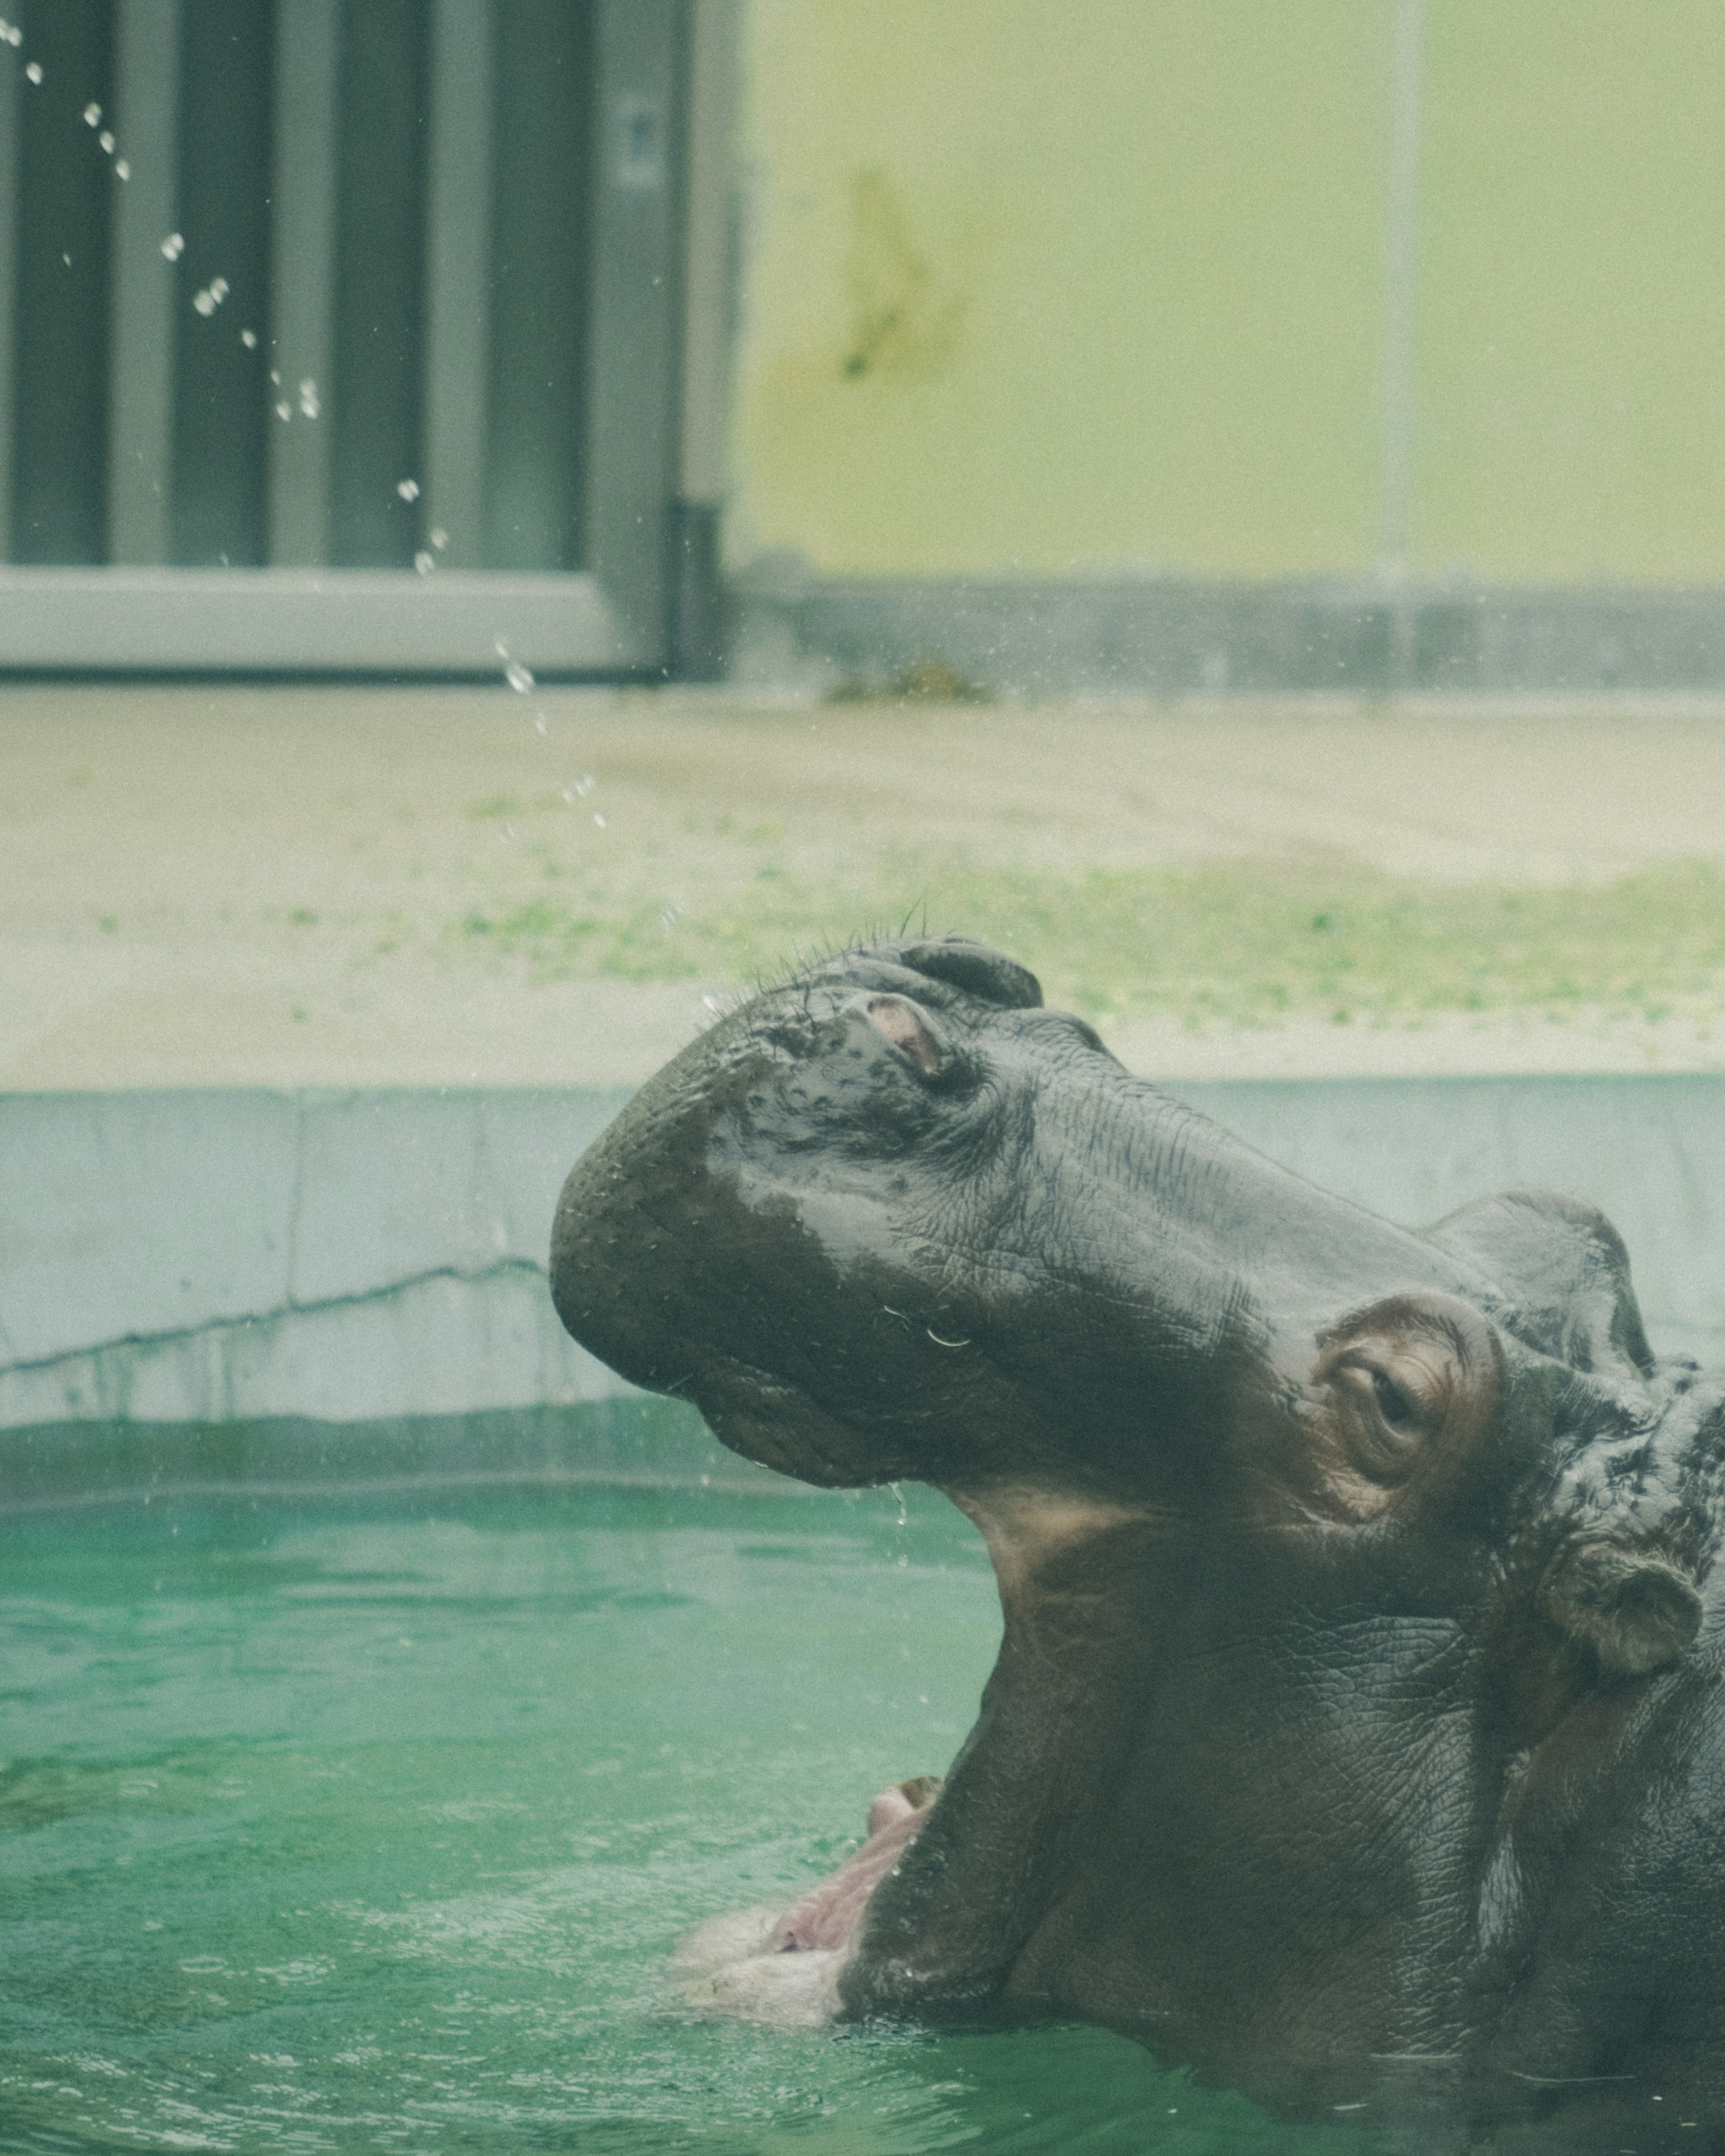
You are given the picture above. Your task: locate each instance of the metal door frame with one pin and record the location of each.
(656, 361)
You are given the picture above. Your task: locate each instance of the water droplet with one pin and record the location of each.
(440, 538)
(710, 1002)
(425, 561)
(308, 399)
(407, 489)
(204, 301)
(34, 69)
(174, 246)
(500, 647)
(585, 784)
(92, 115)
(275, 377)
(248, 338)
(283, 410)
(219, 290)
(598, 819)
(668, 916)
(518, 677)
(106, 140)
(123, 171)
(539, 723)
(15, 36)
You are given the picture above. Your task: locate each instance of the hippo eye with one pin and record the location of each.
(1385, 1424)
(1396, 1406)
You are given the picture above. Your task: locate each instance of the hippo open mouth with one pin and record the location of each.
(1350, 1734)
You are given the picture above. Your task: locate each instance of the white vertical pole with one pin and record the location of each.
(1399, 342)
(1403, 271)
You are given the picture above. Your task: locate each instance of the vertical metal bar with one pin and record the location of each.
(146, 91)
(695, 595)
(303, 247)
(12, 62)
(706, 251)
(457, 278)
(1398, 342)
(632, 379)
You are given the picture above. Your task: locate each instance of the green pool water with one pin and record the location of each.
(363, 1820)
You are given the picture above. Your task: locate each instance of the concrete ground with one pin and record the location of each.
(226, 886)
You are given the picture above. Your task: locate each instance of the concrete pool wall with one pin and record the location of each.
(318, 1260)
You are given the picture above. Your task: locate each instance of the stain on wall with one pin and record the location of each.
(903, 325)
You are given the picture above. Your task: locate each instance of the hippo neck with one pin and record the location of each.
(1239, 1826)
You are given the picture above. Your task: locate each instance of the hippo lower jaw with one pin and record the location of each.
(783, 1966)
(836, 1953)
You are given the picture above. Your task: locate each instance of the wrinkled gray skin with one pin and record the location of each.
(1356, 1735)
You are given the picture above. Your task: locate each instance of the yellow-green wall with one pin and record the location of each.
(1067, 285)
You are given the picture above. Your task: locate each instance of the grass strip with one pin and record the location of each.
(1235, 943)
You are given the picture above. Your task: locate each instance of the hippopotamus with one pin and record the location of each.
(1357, 1736)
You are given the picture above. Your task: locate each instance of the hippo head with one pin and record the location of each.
(895, 1220)
(1332, 1557)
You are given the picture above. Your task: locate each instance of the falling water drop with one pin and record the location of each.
(425, 561)
(123, 171)
(33, 72)
(407, 489)
(174, 246)
(518, 677)
(308, 399)
(92, 115)
(440, 538)
(248, 338)
(106, 140)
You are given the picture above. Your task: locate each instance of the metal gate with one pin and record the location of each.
(352, 334)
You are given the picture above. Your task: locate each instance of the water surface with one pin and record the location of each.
(364, 1821)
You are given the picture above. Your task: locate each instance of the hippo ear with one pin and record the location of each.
(1409, 1388)
(1634, 1607)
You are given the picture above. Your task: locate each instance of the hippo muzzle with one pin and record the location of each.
(1335, 1559)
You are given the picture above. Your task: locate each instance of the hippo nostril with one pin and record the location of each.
(909, 1030)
